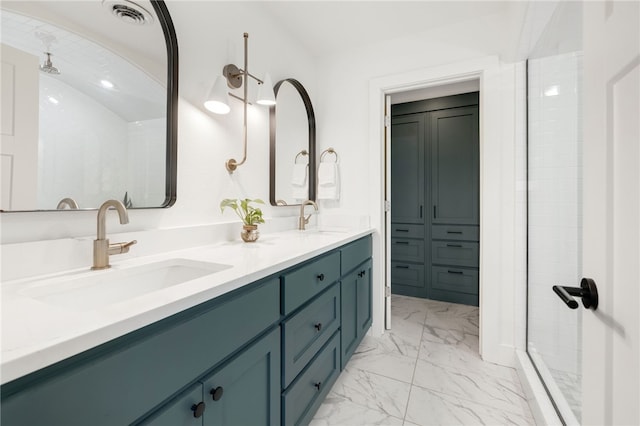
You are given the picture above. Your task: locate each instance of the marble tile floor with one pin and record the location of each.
(425, 371)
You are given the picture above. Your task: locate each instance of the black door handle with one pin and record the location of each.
(587, 291)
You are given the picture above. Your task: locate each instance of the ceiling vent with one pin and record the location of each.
(128, 11)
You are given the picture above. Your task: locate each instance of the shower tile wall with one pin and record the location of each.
(555, 219)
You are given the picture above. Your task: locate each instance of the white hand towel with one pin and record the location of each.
(299, 175)
(299, 182)
(328, 181)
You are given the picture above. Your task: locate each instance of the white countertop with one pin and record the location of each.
(36, 334)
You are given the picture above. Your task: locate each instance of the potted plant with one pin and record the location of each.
(250, 216)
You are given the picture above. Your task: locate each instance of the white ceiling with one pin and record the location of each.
(330, 27)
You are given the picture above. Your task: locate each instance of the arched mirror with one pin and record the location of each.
(292, 137)
(89, 104)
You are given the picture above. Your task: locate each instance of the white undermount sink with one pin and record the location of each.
(97, 289)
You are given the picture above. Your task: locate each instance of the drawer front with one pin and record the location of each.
(407, 274)
(354, 254)
(407, 250)
(308, 330)
(455, 232)
(120, 382)
(454, 253)
(407, 231)
(302, 399)
(305, 282)
(454, 279)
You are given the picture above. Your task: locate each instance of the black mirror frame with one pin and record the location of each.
(272, 142)
(171, 40)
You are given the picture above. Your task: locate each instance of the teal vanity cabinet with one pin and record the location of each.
(123, 380)
(356, 295)
(264, 354)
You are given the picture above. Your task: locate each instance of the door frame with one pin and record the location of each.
(499, 336)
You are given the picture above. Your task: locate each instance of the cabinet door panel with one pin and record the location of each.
(455, 166)
(180, 411)
(364, 299)
(248, 387)
(407, 169)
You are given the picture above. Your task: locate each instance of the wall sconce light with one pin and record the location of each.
(218, 99)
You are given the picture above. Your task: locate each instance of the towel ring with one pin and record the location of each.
(303, 153)
(329, 151)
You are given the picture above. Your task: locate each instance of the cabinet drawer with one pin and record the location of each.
(354, 254)
(302, 399)
(305, 282)
(308, 330)
(454, 279)
(120, 381)
(454, 253)
(455, 232)
(407, 231)
(407, 250)
(407, 274)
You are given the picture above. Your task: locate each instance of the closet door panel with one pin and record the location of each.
(454, 166)
(407, 169)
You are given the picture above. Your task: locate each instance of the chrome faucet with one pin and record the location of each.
(101, 247)
(302, 221)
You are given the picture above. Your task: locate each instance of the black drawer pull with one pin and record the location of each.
(454, 245)
(318, 326)
(317, 385)
(198, 409)
(454, 232)
(216, 393)
(455, 272)
(402, 230)
(402, 267)
(402, 242)
(321, 277)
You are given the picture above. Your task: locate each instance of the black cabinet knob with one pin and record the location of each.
(318, 326)
(362, 273)
(321, 277)
(198, 409)
(216, 393)
(317, 385)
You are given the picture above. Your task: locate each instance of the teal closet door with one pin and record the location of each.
(407, 169)
(455, 166)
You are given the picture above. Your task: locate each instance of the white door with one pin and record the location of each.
(611, 239)
(19, 129)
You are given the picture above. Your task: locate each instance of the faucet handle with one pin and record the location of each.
(119, 248)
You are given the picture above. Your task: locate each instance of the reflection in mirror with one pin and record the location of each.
(84, 109)
(292, 145)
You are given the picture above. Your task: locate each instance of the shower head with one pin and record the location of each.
(48, 65)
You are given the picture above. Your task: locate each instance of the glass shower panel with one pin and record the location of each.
(554, 77)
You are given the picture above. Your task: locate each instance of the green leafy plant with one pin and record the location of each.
(248, 214)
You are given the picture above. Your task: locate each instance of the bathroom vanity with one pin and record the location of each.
(256, 345)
